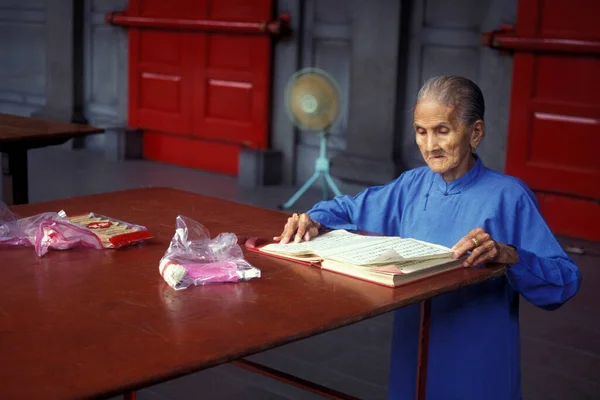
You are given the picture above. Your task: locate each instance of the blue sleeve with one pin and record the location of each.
(545, 275)
(369, 210)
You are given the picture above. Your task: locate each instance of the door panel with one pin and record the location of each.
(554, 128)
(573, 18)
(239, 10)
(160, 81)
(235, 81)
(199, 94)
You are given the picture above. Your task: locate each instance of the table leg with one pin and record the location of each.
(129, 396)
(281, 376)
(423, 349)
(15, 184)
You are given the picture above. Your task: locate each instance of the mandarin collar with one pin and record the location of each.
(458, 185)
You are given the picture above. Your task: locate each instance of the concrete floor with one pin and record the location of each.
(560, 349)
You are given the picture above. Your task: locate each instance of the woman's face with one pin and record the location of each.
(444, 142)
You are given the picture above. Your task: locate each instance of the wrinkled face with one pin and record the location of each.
(444, 142)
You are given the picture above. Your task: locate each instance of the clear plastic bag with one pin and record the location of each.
(6, 215)
(193, 258)
(43, 232)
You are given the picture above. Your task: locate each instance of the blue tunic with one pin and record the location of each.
(474, 333)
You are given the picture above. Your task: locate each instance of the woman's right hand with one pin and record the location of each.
(298, 227)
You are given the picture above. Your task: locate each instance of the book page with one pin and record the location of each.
(414, 266)
(323, 245)
(414, 249)
(396, 250)
(420, 266)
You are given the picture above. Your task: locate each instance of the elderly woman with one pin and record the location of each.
(457, 202)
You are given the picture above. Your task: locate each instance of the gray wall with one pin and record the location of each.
(22, 56)
(41, 75)
(356, 41)
(105, 77)
(444, 39)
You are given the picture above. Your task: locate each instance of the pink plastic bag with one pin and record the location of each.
(43, 232)
(193, 258)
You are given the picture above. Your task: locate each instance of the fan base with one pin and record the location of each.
(321, 171)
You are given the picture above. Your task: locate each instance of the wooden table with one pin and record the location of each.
(20, 134)
(83, 323)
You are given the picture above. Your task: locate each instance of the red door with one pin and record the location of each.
(554, 127)
(199, 78)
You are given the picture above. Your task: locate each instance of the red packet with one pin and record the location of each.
(113, 233)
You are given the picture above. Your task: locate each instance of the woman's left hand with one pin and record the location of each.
(484, 249)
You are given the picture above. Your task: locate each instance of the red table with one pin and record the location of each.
(83, 323)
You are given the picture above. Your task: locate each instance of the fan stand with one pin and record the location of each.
(321, 171)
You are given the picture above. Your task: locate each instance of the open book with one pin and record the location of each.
(387, 260)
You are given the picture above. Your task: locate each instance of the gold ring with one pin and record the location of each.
(475, 242)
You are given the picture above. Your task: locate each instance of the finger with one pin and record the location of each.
(479, 240)
(288, 232)
(477, 255)
(303, 224)
(484, 238)
(463, 245)
(311, 233)
(460, 249)
(468, 244)
(477, 231)
(480, 255)
(484, 258)
(290, 229)
(282, 234)
(468, 236)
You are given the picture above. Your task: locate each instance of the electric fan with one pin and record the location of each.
(312, 100)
